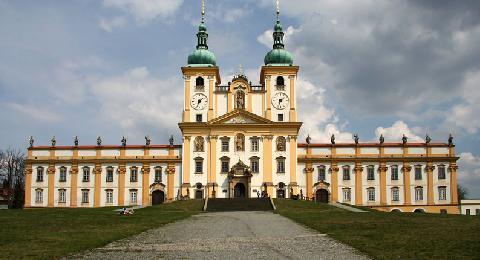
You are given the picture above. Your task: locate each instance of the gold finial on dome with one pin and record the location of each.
(278, 9)
(203, 11)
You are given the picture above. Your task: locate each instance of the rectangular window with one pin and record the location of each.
(280, 165)
(346, 173)
(442, 193)
(86, 174)
(255, 145)
(370, 173)
(418, 172)
(394, 170)
(39, 196)
(225, 145)
(40, 174)
(419, 193)
(158, 174)
(198, 167)
(371, 194)
(441, 172)
(280, 117)
(321, 173)
(133, 175)
(133, 196)
(395, 194)
(225, 166)
(63, 174)
(347, 194)
(109, 196)
(467, 211)
(199, 118)
(109, 175)
(62, 196)
(85, 194)
(254, 166)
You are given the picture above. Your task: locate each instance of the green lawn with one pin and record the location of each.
(385, 235)
(52, 233)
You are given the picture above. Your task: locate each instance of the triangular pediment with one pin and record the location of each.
(240, 116)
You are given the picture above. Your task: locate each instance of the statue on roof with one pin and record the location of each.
(99, 141)
(31, 141)
(382, 139)
(308, 140)
(75, 141)
(54, 141)
(171, 140)
(124, 141)
(355, 138)
(147, 140)
(450, 140)
(332, 139)
(427, 139)
(404, 139)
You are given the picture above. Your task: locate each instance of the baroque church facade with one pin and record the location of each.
(241, 140)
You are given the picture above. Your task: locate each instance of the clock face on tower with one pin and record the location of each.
(199, 101)
(280, 101)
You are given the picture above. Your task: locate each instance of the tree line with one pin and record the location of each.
(12, 174)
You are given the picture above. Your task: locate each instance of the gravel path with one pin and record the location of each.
(227, 235)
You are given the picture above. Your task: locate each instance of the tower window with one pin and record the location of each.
(280, 117)
(280, 81)
(199, 82)
(199, 118)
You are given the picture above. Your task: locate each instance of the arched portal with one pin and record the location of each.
(321, 195)
(239, 190)
(419, 210)
(158, 197)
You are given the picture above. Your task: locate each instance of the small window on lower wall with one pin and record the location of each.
(395, 194)
(133, 197)
(85, 195)
(477, 212)
(109, 196)
(371, 194)
(442, 193)
(38, 196)
(224, 164)
(467, 212)
(419, 193)
(443, 211)
(347, 194)
(62, 198)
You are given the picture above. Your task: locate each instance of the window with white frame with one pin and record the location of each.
(347, 194)
(86, 174)
(442, 193)
(418, 172)
(109, 174)
(225, 164)
(370, 173)
(254, 144)
(198, 165)
(395, 194)
(63, 174)
(134, 174)
(280, 164)
(133, 196)
(346, 173)
(62, 196)
(254, 161)
(321, 173)
(441, 172)
(39, 174)
(371, 194)
(419, 193)
(109, 196)
(225, 144)
(85, 195)
(158, 174)
(394, 172)
(38, 196)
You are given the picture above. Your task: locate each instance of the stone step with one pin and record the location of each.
(239, 204)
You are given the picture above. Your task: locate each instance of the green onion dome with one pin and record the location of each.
(278, 55)
(202, 57)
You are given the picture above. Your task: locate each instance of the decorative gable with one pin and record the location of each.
(240, 116)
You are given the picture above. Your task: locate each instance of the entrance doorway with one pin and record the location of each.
(281, 193)
(158, 197)
(239, 191)
(199, 194)
(321, 195)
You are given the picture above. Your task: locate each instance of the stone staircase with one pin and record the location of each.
(239, 204)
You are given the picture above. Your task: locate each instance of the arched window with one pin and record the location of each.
(240, 142)
(346, 172)
(199, 82)
(280, 81)
(199, 144)
(39, 174)
(281, 144)
(63, 174)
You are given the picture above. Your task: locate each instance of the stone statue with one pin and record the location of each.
(99, 141)
(199, 144)
(240, 142)
(124, 141)
(75, 141)
(147, 140)
(450, 140)
(428, 139)
(171, 140)
(309, 139)
(332, 139)
(382, 139)
(404, 139)
(54, 141)
(281, 145)
(240, 100)
(31, 141)
(355, 138)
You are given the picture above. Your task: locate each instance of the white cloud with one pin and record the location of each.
(266, 38)
(396, 132)
(469, 172)
(145, 10)
(109, 24)
(35, 112)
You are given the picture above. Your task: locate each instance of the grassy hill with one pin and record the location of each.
(385, 235)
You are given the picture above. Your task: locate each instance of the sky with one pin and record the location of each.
(111, 68)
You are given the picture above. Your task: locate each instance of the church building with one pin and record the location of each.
(241, 140)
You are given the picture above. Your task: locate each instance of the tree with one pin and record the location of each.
(462, 192)
(12, 169)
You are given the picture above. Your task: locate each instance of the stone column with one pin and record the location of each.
(212, 171)
(73, 185)
(383, 184)
(293, 164)
(210, 98)
(293, 112)
(98, 185)
(267, 163)
(268, 89)
(186, 165)
(309, 183)
(453, 183)
(170, 181)
(406, 183)
(430, 196)
(358, 184)
(186, 113)
(334, 172)
(28, 185)
(51, 185)
(146, 185)
(122, 169)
